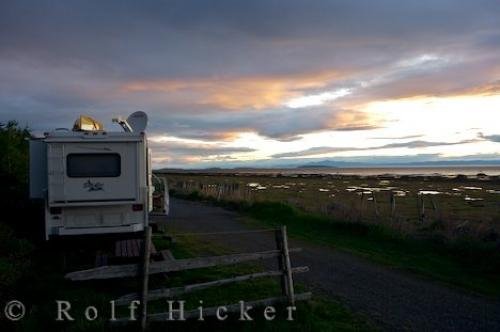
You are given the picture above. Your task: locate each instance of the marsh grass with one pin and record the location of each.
(466, 262)
(340, 197)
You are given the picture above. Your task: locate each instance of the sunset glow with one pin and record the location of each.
(252, 85)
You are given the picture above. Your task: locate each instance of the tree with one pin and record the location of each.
(14, 157)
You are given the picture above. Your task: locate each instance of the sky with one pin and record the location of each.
(255, 83)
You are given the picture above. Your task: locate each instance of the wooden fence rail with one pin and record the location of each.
(148, 268)
(132, 270)
(176, 291)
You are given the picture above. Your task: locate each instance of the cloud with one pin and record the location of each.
(423, 144)
(177, 151)
(214, 70)
(492, 138)
(492, 87)
(233, 93)
(397, 137)
(315, 151)
(183, 148)
(281, 124)
(317, 99)
(326, 149)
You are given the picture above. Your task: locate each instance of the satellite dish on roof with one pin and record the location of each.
(138, 121)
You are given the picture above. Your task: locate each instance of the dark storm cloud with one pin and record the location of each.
(148, 39)
(113, 33)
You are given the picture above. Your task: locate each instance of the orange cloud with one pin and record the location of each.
(354, 120)
(492, 88)
(225, 135)
(257, 92)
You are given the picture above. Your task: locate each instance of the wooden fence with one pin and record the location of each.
(371, 206)
(146, 268)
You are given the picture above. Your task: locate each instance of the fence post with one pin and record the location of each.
(393, 204)
(145, 277)
(420, 207)
(433, 202)
(281, 262)
(287, 272)
(220, 188)
(375, 204)
(361, 201)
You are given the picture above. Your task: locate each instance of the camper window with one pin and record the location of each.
(89, 165)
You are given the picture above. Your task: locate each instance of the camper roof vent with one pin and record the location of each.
(86, 123)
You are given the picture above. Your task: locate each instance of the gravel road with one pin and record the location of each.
(392, 299)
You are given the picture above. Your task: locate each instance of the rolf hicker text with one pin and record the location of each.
(175, 312)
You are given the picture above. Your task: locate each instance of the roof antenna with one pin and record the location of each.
(122, 122)
(136, 122)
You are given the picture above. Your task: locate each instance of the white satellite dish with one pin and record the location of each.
(138, 121)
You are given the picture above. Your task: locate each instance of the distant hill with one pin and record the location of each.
(443, 163)
(374, 162)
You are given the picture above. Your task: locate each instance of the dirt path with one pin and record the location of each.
(393, 299)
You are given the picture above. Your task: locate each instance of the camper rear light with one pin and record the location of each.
(137, 207)
(55, 210)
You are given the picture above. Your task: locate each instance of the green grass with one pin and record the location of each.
(466, 263)
(338, 196)
(319, 314)
(40, 286)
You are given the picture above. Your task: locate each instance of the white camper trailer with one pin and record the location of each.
(93, 181)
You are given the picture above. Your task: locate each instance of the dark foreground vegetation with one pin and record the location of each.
(466, 262)
(32, 271)
(20, 223)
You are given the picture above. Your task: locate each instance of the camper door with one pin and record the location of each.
(93, 172)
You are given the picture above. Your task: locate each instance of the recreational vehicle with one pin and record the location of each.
(93, 181)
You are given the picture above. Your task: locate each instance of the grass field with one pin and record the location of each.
(44, 284)
(450, 207)
(464, 261)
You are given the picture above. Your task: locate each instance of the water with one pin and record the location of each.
(465, 170)
(445, 171)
